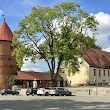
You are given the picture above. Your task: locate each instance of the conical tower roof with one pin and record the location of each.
(5, 32)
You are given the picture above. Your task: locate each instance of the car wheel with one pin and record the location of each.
(70, 94)
(32, 94)
(60, 94)
(52, 95)
(46, 94)
(27, 94)
(17, 93)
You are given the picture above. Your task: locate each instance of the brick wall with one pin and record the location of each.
(8, 65)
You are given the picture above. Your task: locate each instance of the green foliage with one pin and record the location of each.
(11, 80)
(58, 32)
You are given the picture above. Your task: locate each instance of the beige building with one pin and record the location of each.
(94, 69)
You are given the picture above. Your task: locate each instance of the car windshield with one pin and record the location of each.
(47, 88)
(41, 88)
(34, 88)
(53, 88)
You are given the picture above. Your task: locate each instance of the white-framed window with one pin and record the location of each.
(99, 73)
(104, 73)
(108, 73)
(94, 72)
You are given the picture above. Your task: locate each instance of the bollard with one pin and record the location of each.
(89, 92)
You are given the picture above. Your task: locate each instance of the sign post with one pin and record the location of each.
(34, 83)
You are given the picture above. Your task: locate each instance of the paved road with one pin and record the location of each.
(54, 102)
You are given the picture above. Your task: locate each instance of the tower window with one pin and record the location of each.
(11, 66)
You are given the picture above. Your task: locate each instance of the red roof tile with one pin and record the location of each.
(97, 58)
(23, 75)
(5, 32)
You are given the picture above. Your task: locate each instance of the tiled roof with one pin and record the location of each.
(24, 75)
(97, 58)
(5, 32)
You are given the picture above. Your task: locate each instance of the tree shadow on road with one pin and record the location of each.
(52, 104)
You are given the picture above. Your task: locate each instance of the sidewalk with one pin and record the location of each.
(84, 91)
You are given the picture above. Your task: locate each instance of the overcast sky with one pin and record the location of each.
(15, 10)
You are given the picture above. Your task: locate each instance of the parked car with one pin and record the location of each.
(59, 91)
(9, 91)
(43, 91)
(31, 91)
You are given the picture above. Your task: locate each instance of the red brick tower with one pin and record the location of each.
(8, 65)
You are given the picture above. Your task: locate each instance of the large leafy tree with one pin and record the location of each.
(56, 34)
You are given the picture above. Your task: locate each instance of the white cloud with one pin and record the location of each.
(103, 30)
(40, 66)
(107, 49)
(1, 13)
(104, 21)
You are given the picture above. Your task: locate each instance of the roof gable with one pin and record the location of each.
(5, 32)
(97, 58)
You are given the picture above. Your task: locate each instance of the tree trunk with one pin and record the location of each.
(55, 75)
(53, 80)
(54, 83)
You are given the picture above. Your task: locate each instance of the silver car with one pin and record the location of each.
(59, 91)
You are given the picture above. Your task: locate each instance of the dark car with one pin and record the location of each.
(31, 91)
(9, 91)
(60, 91)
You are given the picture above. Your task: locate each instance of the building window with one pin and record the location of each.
(108, 73)
(99, 73)
(94, 72)
(104, 73)
(70, 82)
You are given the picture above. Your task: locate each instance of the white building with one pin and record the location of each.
(94, 69)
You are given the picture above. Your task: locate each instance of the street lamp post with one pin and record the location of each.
(34, 83)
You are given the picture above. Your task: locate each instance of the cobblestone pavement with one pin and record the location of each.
(10, 102)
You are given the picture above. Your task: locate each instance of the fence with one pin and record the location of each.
(90, 90)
